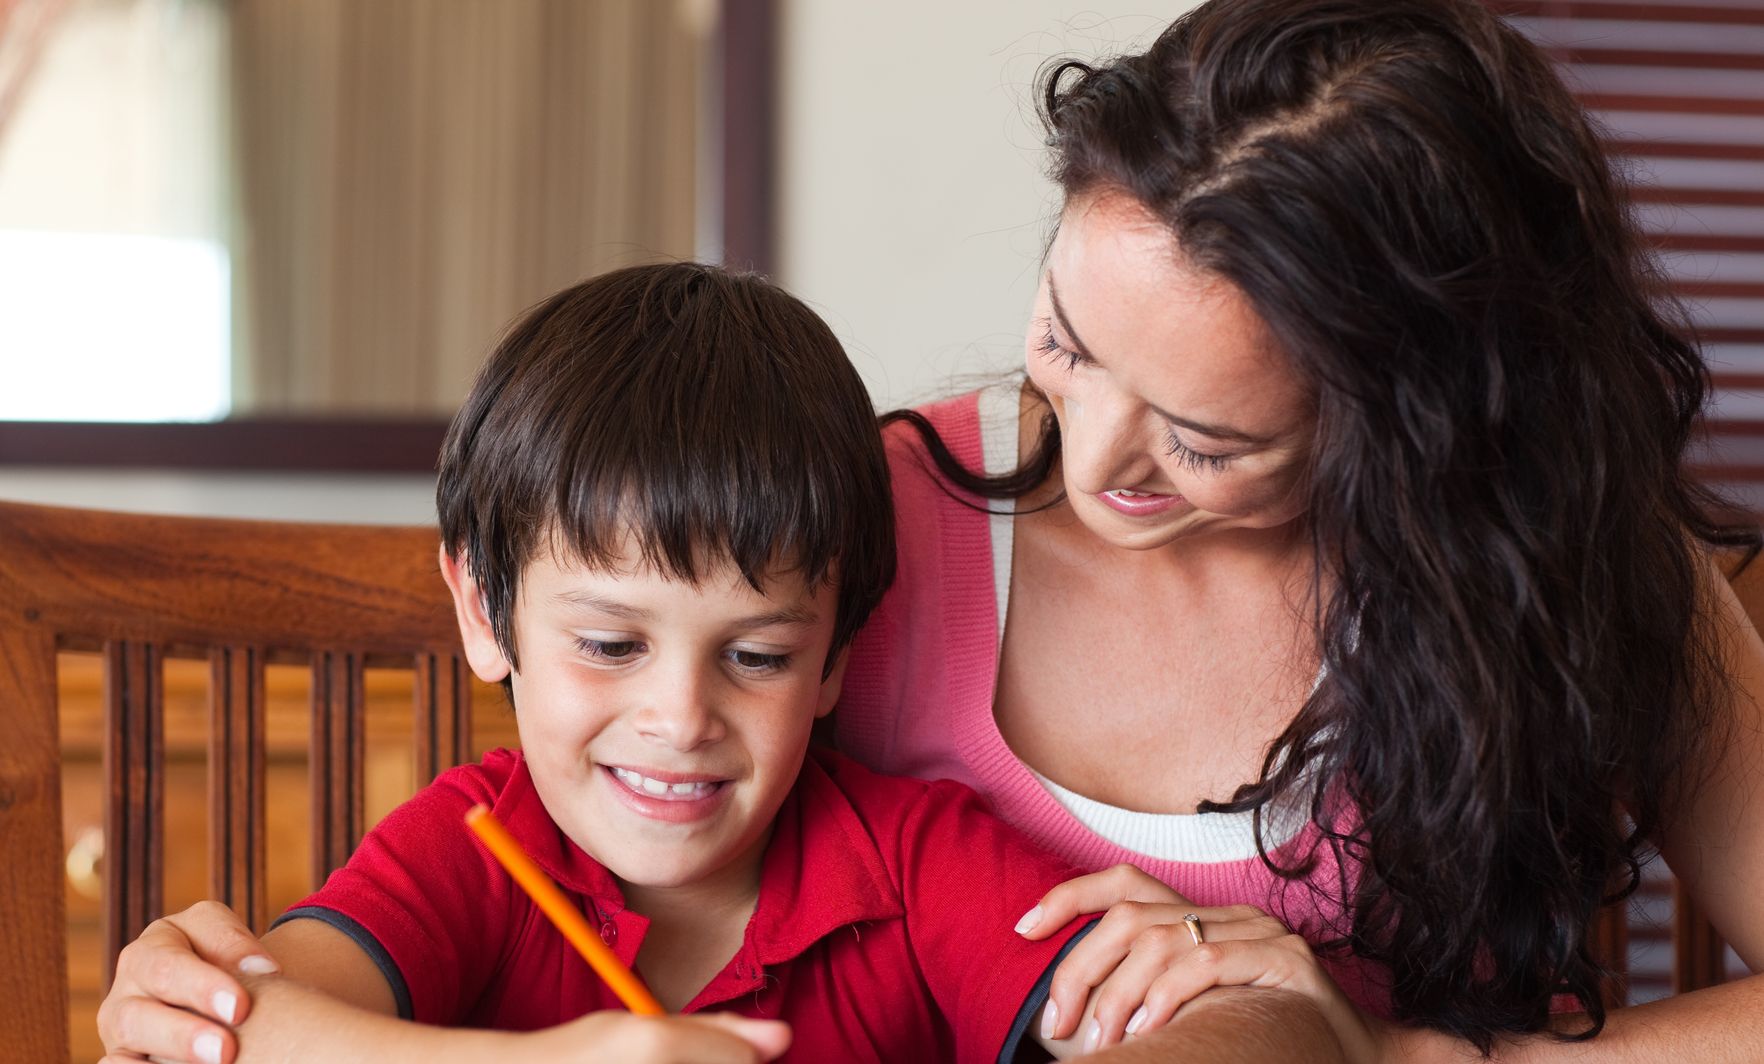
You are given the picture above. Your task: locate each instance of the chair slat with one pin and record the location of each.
(1698, 951)
(443, 708)
(1608, 939)
(236, 807)
(134, 772)
(33, 979)
(338, 738)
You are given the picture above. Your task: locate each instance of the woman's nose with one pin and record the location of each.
(1102, 440)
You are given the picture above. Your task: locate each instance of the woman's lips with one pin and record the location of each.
(1137, 503)
(667, 796)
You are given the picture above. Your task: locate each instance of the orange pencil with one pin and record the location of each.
(540, 888)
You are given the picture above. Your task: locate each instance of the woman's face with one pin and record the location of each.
(1178, 414)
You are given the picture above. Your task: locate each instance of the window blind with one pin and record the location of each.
(1679, 91)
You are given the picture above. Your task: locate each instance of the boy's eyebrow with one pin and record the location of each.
(600, 603)
(800, 616)
(1220, 432)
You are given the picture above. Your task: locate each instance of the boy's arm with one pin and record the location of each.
(332, 1003)
(1231, 1025)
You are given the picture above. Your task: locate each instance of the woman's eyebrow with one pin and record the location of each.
(1221, 432)
(1053, 296)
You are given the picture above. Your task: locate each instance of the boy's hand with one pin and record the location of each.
(175, 995)
(708, 1038)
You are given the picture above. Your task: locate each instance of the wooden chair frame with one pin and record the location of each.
(242, 594)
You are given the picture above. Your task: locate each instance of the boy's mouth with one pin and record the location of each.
(666, 787)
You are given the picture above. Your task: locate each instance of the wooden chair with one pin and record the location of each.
(243, 594)
(240, 594)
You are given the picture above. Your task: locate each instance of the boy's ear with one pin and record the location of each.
(481, 648)
(830, 686)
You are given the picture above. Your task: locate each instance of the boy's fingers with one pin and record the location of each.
(770, 1037)
(1092, 894)
(145, 1028)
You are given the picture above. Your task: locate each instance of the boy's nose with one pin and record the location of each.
(680, 711)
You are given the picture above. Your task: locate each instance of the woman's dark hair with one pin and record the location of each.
(706, 413)
(1510, 600)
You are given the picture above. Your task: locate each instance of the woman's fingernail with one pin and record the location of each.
(1050, 1019)
(1138, 1018)
(257, 964)
(225, 1004)
(1092, 1035)
(208, 1047)
(1029, 920)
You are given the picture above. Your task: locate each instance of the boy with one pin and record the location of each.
(664, 512)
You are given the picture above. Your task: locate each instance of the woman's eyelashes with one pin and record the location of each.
(1191, 458)
(624, 651)
(1056, 351)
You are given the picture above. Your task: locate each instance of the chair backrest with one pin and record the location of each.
(240, 594)
(1697, 955)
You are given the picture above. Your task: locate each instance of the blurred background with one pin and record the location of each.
(309, 219)
(251, 251)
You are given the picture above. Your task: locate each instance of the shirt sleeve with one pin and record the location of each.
(967, 877)
(423, 900)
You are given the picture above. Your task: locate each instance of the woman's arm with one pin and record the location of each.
(1715, 846)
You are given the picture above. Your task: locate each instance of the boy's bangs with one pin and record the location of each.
(698, 415)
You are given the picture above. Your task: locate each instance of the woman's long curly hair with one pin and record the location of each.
(1512, 617)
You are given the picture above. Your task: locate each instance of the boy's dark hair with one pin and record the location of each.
(706, 413)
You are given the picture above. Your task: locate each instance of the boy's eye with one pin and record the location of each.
(609, 650)
(754, 661)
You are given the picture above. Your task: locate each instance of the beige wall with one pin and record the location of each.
(912, 203)
(912, 211)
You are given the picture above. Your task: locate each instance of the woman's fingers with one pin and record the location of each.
(139, 1027)
(1156, 935)
(1092, 894)
(174, 994)
(1269, 962)
(217, 935)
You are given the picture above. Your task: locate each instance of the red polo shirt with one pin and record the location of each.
(882, 930)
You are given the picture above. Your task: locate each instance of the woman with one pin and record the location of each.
(1353, 574)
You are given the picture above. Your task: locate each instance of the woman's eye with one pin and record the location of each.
(608, 649)
(1191, 458)
(754, 661)
(1057, 351)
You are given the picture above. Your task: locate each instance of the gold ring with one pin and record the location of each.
(1193, 923)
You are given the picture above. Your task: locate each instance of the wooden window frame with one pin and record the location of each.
(745, 49)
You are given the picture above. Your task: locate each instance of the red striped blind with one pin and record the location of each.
(1679, 90)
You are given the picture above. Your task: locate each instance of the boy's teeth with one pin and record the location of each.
(638, 782)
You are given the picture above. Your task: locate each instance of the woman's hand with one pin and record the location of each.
(1145, 965)
(614, 1037)
(175, 996)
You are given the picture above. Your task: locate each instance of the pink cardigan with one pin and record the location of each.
(917, 701)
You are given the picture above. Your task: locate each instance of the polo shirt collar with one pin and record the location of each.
(821, 870)
(521, 811)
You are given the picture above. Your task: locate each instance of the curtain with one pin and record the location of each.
(412, 174)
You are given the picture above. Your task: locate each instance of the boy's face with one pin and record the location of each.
(663, 722)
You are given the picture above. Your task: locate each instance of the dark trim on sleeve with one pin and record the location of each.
(388, 968)
(1037, 997)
